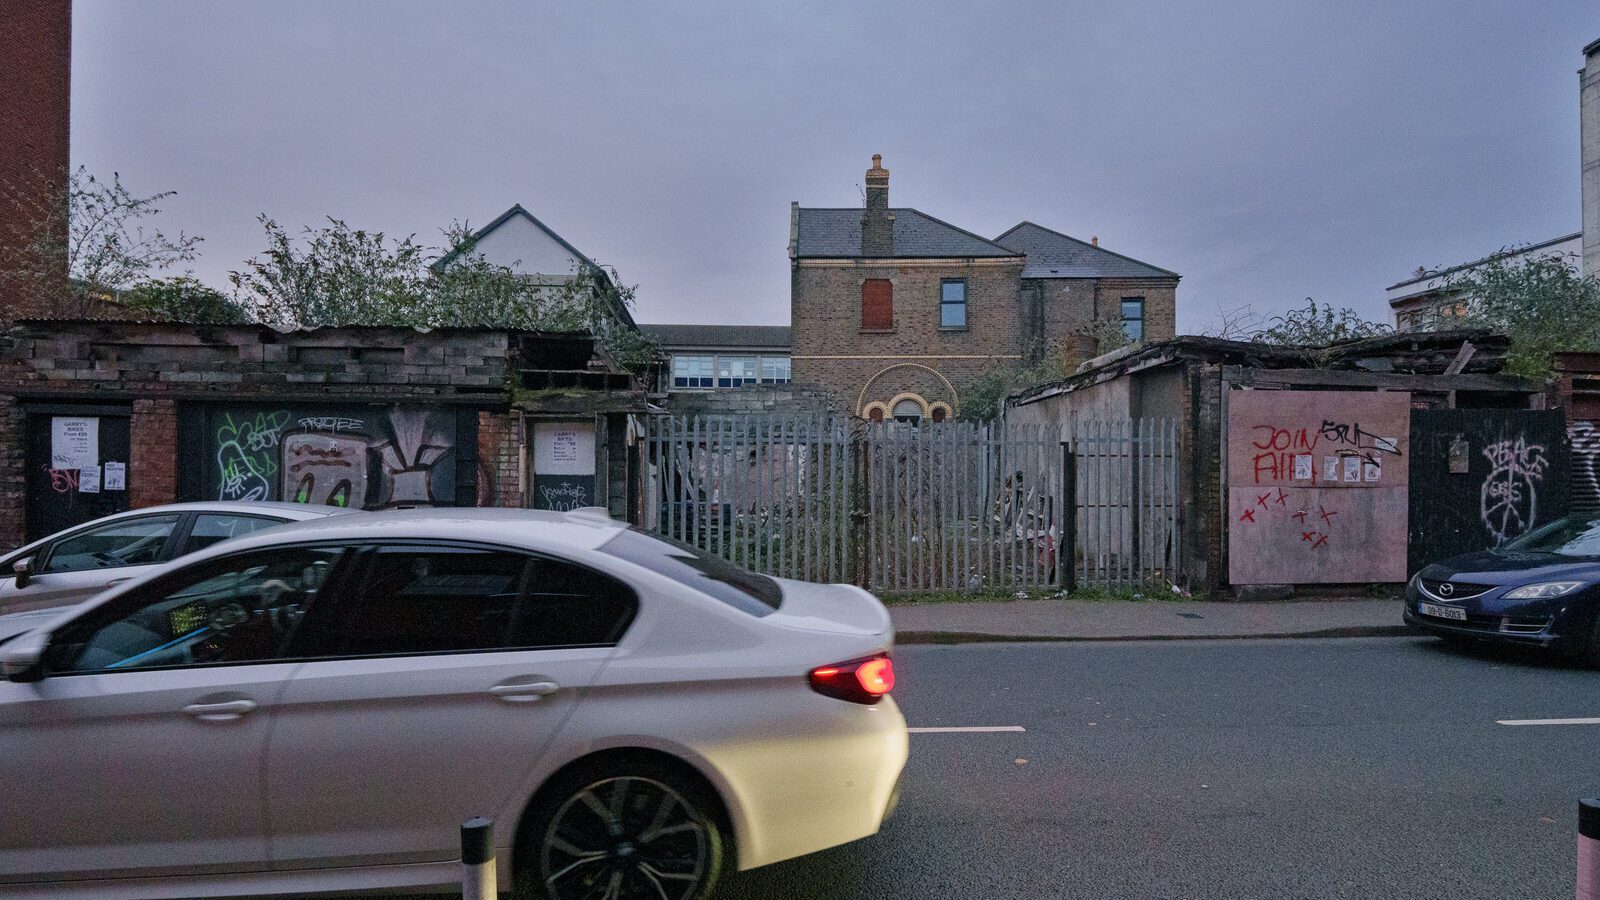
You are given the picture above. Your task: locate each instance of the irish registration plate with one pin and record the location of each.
(1442, 612)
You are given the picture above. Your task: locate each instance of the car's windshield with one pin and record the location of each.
(1571, 536)
(739, 588)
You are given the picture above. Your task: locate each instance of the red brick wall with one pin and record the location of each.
(13, 450)
(152, 466)
(499, 463)
(35, 95)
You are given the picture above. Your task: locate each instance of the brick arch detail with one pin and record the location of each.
(861, 398)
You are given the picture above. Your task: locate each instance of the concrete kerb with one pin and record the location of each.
(969, 637)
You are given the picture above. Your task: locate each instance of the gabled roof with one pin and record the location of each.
(508, 215)
(1052, 254)
(835, 233)
(760, 337)
(618, 307)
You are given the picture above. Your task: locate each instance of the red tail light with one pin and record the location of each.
(859, 680)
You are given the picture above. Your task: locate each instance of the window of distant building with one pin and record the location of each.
(774, 370)
(877, 304)
(733, 371)
(693, 371)
(1133, 318)
(953, 303)
(908, 411)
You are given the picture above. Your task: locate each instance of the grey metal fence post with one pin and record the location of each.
(477, 860)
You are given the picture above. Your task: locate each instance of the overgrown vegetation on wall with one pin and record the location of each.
(1545, 305)
(983, 398)
(331, 275)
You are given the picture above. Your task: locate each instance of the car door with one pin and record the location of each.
(427, 698)
(139, 752)
(83, 563)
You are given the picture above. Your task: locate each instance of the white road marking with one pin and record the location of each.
(966, 729)
(1547, 721)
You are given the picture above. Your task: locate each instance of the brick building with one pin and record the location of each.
(35, 107)
(893, 311)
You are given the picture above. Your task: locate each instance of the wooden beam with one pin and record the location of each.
(1462, 357)
(1384, 381)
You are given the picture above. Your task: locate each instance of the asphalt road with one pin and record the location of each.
(1356, 768)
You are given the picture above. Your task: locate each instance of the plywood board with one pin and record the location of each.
(1317, 486)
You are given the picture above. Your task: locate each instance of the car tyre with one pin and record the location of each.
(630, 829)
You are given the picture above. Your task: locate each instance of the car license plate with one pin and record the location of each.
(1442, 612)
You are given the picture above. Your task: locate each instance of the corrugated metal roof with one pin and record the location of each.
(758, 336)
(833, 233)
(1052, 254)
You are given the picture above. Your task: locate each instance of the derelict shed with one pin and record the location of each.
(98, 416)
(1300, 466)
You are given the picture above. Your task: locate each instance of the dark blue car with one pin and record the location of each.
(1542, 589)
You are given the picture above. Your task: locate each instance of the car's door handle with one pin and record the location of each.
(220, 712)
(523, 691)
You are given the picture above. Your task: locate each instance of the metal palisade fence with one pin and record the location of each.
(937, 506)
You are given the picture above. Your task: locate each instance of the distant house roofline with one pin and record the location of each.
(1086, 244)
(1500, 254)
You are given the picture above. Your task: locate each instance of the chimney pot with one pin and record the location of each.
(877, 223)
(1094, 241)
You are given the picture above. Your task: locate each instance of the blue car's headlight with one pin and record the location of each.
(1543, 590)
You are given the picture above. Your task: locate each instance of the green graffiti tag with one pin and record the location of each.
(247, 456)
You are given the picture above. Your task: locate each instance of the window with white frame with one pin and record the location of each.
(733, 371)
(774, 370)
(694, 371)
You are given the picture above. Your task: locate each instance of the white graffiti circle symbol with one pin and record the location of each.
(1509, 499)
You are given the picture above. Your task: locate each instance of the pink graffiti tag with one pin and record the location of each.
(63, 481)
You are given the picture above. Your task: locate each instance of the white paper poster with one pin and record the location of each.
(1330, 468)
(114, 477)
(74, 442)
(563, 448)
(89, 480)
(1302, 467)
(1370, 471)
(1352, 468)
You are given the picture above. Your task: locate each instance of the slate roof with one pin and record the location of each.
(834, 233)
(775, 337)
(1052, 254)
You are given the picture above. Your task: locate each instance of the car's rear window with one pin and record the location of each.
(755, 594)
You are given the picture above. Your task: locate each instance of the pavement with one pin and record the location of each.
(1124, 620)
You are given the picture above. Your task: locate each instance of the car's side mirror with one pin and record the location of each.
(22, 656)
(23, 569)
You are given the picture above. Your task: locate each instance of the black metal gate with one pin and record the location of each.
(1480, 477)
(76, 463)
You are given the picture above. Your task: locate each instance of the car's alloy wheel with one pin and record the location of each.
(625, 837)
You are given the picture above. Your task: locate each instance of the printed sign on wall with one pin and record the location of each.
(563, 465)
(74, 442)
(1317, 486)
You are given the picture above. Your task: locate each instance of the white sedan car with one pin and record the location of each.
(318, 707)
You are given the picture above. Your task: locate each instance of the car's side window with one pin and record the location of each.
(569, 605)
(421, 600)
(237, 609)
(125, 542)
(429, 600)
(213, 528)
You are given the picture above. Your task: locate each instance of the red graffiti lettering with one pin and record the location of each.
(1299, 517)
(1327, 516)
(1261, 501)
(1283, 498)
(1249, 515)
(1321, 541)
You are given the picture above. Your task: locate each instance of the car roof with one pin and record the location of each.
(526, 528)
(294, 511)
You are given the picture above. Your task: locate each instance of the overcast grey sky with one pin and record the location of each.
(1267, 150)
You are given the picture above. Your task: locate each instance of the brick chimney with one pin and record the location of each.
(35, 92)
(877, 223)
